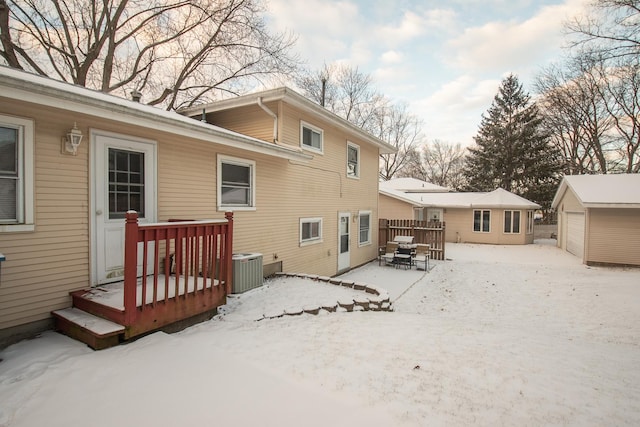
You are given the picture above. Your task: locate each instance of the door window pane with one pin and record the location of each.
(126, 183)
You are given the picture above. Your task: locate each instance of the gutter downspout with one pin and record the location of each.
(275, 119)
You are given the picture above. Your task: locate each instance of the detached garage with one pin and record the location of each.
(599, 218)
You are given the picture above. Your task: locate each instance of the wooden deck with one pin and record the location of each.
(193, 284)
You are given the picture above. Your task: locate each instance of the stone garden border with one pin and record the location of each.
(373, 298)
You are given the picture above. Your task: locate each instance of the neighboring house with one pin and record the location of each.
(599, 218)
(497, 217)
(306, 199)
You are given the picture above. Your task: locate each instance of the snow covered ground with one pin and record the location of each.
(496, 335)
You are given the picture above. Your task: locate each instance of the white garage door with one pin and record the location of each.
(575, 233)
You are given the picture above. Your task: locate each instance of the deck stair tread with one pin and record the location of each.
(97, 325)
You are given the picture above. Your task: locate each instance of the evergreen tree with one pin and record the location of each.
(512, 149)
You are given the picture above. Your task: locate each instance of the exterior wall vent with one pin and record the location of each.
(247, 272)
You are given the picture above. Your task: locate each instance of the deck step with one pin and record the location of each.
(96, 332)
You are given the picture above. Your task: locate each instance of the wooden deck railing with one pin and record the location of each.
(194, 276)
(429, 232)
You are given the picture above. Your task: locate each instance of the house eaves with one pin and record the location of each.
(292, 98)
(23, 86)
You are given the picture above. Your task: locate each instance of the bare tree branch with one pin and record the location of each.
(181, 52)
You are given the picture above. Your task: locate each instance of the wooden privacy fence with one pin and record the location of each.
(429, 232)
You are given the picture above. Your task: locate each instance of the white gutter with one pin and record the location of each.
(23, 86)
(273, 115)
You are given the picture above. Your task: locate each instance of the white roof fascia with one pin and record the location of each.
(612, 205)
(27, 87)
(291, 97)
(399, 196)
(559, 194)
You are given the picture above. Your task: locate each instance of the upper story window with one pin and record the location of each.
(353, 160)
(311, 137)
(236, 183)
(482, 221)
(512, 222)
(16, 174)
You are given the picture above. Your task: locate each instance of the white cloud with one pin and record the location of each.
(326, 29)
(425, 56)
(453, 112)
(392, 57)
(514, 45)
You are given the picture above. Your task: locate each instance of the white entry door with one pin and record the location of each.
(124, 179)
(344, 240)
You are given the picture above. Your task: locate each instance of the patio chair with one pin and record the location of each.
(422, 256)
(387, 253)
(403, 258)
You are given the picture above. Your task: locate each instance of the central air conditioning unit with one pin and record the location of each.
(247, 272)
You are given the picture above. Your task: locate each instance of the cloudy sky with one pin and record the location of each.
(445, 59)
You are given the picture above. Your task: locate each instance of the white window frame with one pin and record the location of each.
(482, 213)
(240, 162)
(311, 240)
(530, 221)
(358, 162)
(504, 219)
(368, 241)
(313, 128)
(24, 197)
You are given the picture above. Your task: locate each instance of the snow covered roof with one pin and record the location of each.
(602, 191)
(501, 198)
(495, 199)
(412, 185)
(20, 85)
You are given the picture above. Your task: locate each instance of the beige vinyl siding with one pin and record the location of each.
(391, 208)
(459, 228)
(459, 225)
(250, 120)
(285, 192)
(613, 236)
(44, 265)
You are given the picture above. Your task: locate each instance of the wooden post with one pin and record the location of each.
(228, 247)
(130, 266)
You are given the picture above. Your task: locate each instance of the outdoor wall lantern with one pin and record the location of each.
(72, 140)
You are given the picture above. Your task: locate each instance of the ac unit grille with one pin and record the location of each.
(247, 272)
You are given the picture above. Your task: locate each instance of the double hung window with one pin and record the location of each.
(311, 137)
(512, 222)
(16, 174)
(236, 183)
(353, 160)
(364, 235)
(530, 220)
(482, 221)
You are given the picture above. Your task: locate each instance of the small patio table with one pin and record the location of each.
(403, 256)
